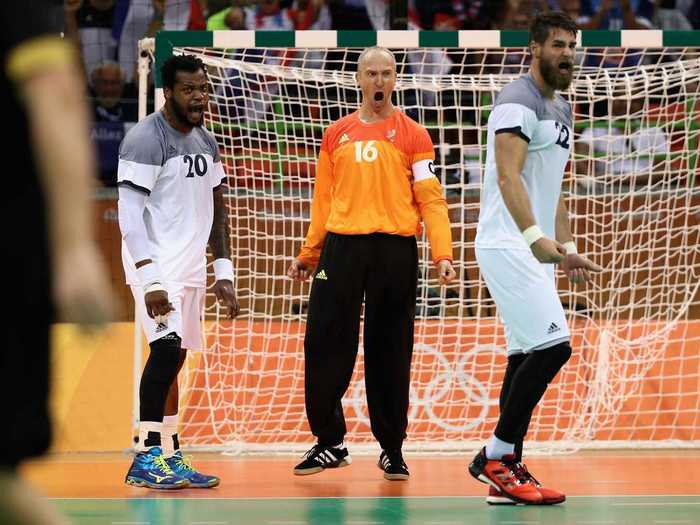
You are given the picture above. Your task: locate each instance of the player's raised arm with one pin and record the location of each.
(511, 151)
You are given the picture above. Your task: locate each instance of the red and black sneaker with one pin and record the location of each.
(549, 496)
(504, 475)
(496, 498)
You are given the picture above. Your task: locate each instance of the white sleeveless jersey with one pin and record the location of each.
(546, 125)
(178, 172)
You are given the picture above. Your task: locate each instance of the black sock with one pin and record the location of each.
(514, 362)
(152, 440)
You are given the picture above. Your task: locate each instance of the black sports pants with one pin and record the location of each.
(383, 269)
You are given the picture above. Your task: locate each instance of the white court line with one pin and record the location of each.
(596, 522)
(611, 481)
(131, 523)
(652, 504)
(671, 521)
(210, 523)
(293, 498)
(518, 522)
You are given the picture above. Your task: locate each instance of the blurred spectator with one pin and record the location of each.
(476, 14)
(452, 15)
(691, 9)
(271, 15)
(614, 15)
(310, 14)
(668, 16)
(573, 9)
(89, 22)
(113, 116)
(359, 14)
(437, 15)
(107, 82)
(693, 14)
(137, 19)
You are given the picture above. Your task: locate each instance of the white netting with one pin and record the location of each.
(635, 209)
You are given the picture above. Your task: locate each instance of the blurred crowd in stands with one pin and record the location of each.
(450, 15)
(106, 33)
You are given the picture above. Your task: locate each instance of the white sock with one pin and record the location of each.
(166, 435)
(144, 428)
(496, 449)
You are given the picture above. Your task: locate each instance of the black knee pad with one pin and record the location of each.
(164, 359)
(552, 359)
(160, 371)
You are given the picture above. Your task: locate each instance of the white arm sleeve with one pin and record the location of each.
(132, 204)
(218, 175)
(514, 118)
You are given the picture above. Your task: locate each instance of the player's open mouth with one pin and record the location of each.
(566, 67)
(379, 96)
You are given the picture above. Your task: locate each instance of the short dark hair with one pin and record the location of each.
(187, 63)
(543, 22)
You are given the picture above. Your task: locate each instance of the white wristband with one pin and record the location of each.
(149, 275)
(223, 270)
(532, 234)
(570, 247)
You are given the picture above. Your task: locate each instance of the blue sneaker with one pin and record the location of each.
(150, 469)
(182, 467)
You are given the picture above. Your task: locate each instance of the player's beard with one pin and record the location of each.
(551, 75)
(181, 115)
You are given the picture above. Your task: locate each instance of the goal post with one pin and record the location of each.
(634, 201)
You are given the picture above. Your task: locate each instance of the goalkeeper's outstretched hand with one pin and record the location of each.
(578, 268)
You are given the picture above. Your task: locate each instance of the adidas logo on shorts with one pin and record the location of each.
(322, 275)
(553, 328)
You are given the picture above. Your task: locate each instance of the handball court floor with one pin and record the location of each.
(603, 488)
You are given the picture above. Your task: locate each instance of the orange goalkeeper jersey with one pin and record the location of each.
(377, 177)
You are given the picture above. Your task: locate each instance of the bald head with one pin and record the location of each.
(376, 77)
(375, 53)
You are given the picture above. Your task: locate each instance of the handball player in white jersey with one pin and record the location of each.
(171, 205)
(522, 235)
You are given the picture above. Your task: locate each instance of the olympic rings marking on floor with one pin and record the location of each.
(452, 377)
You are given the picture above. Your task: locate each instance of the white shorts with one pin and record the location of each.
(185, 320)
(526, 297)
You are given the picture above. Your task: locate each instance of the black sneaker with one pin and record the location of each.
(321, 457)
(393, 465)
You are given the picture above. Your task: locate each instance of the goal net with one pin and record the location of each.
(631, 188)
